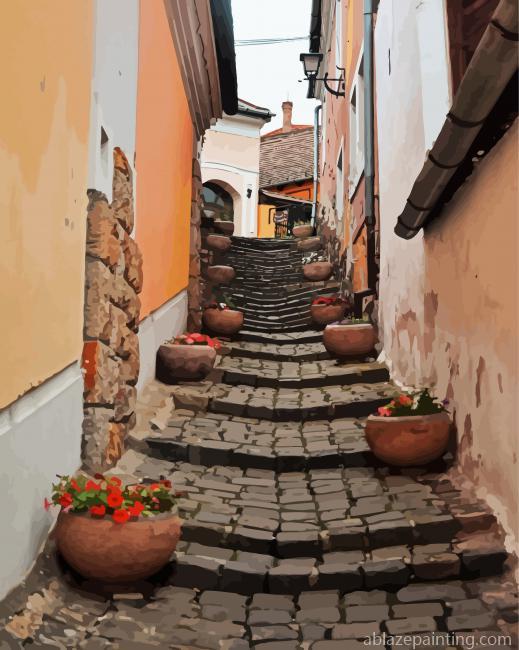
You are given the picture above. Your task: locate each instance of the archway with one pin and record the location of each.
(222, 201)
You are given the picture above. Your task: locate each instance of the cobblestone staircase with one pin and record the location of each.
(294, 536)
(269, 286)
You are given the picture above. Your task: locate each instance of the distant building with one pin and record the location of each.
(286, 172)
(230, 166)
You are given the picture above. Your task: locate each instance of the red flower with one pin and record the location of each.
(121, 516)
(98, 511)
(166, 483)
(92, 486)
(74, 485)
(114, 499)
(154, 486)
(384, 411)
(47, 504)
(98, 476)
(136, 509)
(113, 480)
(65, 500)
(405, 400)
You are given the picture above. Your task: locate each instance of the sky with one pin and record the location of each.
(268, 74)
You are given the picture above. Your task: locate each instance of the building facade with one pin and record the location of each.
(231, 159)
(431, 253)
(99, 227)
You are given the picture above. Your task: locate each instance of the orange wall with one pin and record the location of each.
(298, 190)
(46, 49)
(164, 148)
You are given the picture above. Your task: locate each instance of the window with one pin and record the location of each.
(218, 203)
(356, 130)
(339, 193)
(338, 34)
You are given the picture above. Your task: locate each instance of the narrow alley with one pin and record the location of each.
(260, 389)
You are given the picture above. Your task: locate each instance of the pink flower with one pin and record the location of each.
(384, 411)
(47, 504)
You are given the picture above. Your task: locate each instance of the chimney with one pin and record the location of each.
(287, 116)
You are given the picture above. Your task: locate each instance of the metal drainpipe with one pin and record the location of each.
(316, 162)
(369, 144)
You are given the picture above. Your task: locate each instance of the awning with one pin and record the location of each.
(284, 199)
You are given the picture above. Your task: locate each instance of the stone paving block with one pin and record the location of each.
(411, 625)
(343, 644)
(470, 622)
(355, 630)
(273, 632)
(418, 610)
(426, 592)
(390, 573)
(272, 601)
(194, 571)
(366, 613)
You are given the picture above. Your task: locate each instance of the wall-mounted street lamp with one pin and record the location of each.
(311, 63)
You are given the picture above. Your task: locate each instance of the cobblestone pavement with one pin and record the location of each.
(294, 537)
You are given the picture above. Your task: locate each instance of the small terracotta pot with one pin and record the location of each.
(223, 321)
(304, 230)
(349, 340)
(184, 362)
(218, 243)
(318, 271)
(117, 553)
(309, 245)
(221, 274)
(324, 314)
(408, 441)
(224, 227)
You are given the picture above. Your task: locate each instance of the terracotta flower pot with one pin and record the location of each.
(218, 243)
(349, 340)
(317, 271)
(221, 274)
(117, 553)
(309, 245)
(408, 441)
(224, 227)
(304, 230)
(223, 321)
(324, 314)
(184, 362)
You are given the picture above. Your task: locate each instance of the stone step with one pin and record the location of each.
(268, 327)
(202, 567)
(304, 352)
(279, 374)
(304, 337)
(258, 318)
(346, 529)
(298, 405)
(216, 439)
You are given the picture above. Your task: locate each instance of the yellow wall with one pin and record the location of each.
(163, 161)
(266, 229)
(46, 49)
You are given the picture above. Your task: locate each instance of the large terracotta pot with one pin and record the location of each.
(184, 362)
(218, 243)
(220, 274)
(349, 340)
(225, 227)
(117, 553)
(324, 314)
(223, 321)
(408, 441)
(318, 271)
(310, 244)
(303, 230)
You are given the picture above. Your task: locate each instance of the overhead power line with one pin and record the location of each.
(268, 41)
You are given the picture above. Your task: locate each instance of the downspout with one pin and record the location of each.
(316, 162)
(369, 145)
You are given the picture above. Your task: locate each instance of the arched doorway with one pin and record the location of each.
(218, 202)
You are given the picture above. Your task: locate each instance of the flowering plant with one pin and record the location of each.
(106, 496)
(221, 306)
(196, 339)
(330, 300)
(421, 403)
(350, 320)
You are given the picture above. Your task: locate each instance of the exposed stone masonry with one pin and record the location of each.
(112, 306)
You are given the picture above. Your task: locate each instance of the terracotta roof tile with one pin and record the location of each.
(286, 157)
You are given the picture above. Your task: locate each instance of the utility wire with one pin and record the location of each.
(268, 41)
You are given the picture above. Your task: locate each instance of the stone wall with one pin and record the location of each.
(194, 289)
(113, 280)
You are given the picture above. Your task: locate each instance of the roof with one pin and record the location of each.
(248, 108)
(280, 130)
(287, 157)
(284, 198)
(223, 28)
